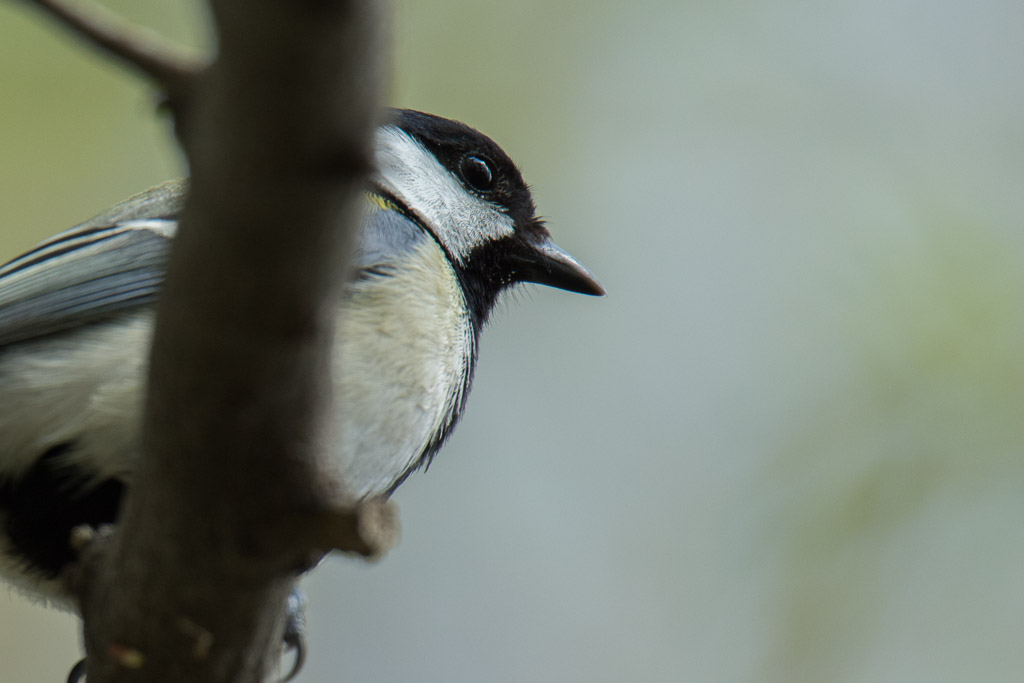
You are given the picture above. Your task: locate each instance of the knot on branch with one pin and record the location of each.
(368, 528)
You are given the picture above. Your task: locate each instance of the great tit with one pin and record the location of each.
(448, 225)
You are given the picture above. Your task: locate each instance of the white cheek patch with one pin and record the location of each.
(459, 220)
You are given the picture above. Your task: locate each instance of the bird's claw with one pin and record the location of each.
(77, 672)
(295, 632)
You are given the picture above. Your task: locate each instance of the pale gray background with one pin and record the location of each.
(786, 447)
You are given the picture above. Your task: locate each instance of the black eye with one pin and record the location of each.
(477, 172)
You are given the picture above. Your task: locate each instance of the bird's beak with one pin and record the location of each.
(546, 263)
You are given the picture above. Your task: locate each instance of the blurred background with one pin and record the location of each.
(787, 446)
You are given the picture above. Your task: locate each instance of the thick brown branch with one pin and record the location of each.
(278, 137)
(168, 65)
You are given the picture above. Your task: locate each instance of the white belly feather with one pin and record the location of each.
(404, 350)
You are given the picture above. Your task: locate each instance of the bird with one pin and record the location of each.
(448, 224)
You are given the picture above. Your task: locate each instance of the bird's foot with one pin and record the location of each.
(294, 638)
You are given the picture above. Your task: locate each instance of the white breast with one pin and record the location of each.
(404, 352)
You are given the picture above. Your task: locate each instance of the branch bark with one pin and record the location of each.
(233, 496)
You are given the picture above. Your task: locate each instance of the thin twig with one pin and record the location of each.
(170, 66)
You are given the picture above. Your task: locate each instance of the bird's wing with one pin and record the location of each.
(107, 266)
(115, 263)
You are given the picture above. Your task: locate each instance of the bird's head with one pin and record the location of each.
(466, 191)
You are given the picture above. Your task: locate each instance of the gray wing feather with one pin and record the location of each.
(163, 201)
(106, 266)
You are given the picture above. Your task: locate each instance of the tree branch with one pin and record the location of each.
(233, 494)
